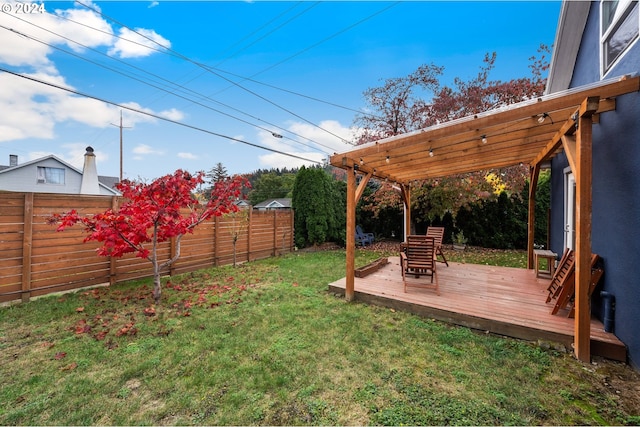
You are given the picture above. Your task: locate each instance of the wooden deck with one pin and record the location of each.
(501, 300)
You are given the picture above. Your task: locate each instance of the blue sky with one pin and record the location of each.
(232, 74)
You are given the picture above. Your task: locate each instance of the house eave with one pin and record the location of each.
(571, 25)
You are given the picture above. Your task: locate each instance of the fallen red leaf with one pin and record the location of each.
(149, 311)
(60, 355)
(82, 327)
(70, 367)
(80, 309)
(127, 329)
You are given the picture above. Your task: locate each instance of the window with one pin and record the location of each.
(50, 175)
(619, 29)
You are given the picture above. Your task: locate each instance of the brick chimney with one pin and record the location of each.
(89, 174)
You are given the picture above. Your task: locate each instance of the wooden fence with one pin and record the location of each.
(36, 259)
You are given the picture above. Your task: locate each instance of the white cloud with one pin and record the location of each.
(153, 4)
(319, 145)
(275, 160)
(31, 109)
(142, 150)
(188, 156)
(74, 155)
(141, 42)
(172, 114)
(28, 43)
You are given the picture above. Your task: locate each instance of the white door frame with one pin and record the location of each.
(569, 209)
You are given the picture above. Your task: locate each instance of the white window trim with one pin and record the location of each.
(623, 6)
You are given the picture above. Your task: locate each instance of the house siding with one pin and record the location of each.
(615, 191)
(25, 179)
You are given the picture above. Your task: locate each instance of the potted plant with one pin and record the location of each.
(459, 241)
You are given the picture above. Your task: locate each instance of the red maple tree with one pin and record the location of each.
(153, 213)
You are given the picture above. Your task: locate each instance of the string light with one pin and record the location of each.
(430, 152)
(484, 139)
(543, 116)
(387, 160)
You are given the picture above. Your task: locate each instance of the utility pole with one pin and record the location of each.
(121, 127)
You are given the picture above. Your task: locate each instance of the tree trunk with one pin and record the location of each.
(157, 285)
(234, 252)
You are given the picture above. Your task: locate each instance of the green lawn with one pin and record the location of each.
(265, 343)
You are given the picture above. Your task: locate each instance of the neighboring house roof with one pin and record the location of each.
(274, 204)
(571, 25)
(108, 181)
(104, 181)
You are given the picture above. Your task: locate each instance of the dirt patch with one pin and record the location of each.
(619, 380)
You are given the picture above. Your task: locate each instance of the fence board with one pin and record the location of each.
(37, 260)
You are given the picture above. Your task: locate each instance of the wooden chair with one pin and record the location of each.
(438, 234)
(418, 259)
(564, 269)
(563, 284)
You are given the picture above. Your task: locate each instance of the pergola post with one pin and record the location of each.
(351, 232)
(353, 195)
(584, 204)
(406, 199)
(531, 221)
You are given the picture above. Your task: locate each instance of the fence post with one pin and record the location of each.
(216, 226)
(274, 252)
(249, 233)
(27, 243)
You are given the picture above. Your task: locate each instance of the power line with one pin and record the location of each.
(155, 116)
(214, 72)
(244, 78)
(160, 88)
(270, 32)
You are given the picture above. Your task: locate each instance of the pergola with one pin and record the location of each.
(530, 132)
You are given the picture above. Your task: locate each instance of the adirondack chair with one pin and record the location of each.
(563, 283)
(564, 269)
(363, 238)
(566, 295)
(417, 258)
(438, 234)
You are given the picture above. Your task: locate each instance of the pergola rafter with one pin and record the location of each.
(491, 140)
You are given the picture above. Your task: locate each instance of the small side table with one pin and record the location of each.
(550, 265)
